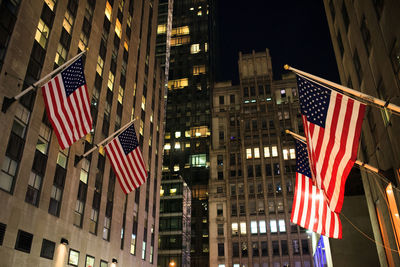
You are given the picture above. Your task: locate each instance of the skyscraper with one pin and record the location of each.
(366, 41)
(55, 212)
(253, 170)
(188, 116)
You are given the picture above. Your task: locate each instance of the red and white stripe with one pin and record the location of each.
(69, 116)
(129, 169)
(311, 211)
(333, 150)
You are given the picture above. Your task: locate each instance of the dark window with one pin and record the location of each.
(296, 247)
(2, 232)
(244, 249)
(221, 100)
(24, 241)
(221, 135)
(235, 249)
(255, 249)
(234, 209)
(250, 172)
(275, 248)
(245, 91)
(340, 43)
(264, 248)
(304, 246)
(219, 190)
(277, 170)
(252, 91)
(260, 90)
(220, 210)
(366, 35)
(345, 15)
(220, 160)
(221, 251)
(258, 170)
(284, 247)
(357, 66)
(232, 159)
(232, 99)
(220, 175)
(220, 229)
(47, 250)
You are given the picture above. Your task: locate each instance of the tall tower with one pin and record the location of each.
(366, 41)
(188, 115)
(55, 213)
(253, 163)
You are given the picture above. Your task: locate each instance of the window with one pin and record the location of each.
(244, 249)
(273, 227)
(61, 55)
(194, 48)
(106, 228)
(221, 251)
(275, 248)
(47, 250)
(292, 153)
(108, 11)
(221, 100)
(255, 249)
(220, 160)
(2, 232)
(24, 241)
(178, 84)
(177, 41)
(89, 261)
(103, 263)
(118, 28)
(296, 247)
(260, 206)
(282, 226)
(233, 209)
(242, 228)
(161, 28)
(264, 248)
(199, 160)
(68, 21)
(235, 229)
(220, 210)
(199, 69)
(263, 227)
(304, 246)
(345, 15)
(248, 153)
(220, 229)
(253, 227)
(184, 30)
(42, 33)
(73, 258)
(235, 249)
(266, 152)
(256, 153)
(274, 151)
(144, 250)
(33, 191)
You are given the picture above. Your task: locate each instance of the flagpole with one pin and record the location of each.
(359, 163)
(79, 158)
(379, 102)
(7, 101)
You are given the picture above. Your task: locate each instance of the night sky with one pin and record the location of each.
(296, 33)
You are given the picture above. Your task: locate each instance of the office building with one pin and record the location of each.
(252, 165)
(56, 213)
(188, 114)
(366, 42)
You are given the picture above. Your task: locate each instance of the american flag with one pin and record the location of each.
(332, 125)
(310, 209)
(67, 104)
(127, 160)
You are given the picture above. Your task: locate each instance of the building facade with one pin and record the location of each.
(188, 114)
(56, 213)
(253, 163)
(366, 41)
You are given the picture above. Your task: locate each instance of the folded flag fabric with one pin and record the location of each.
(67, 104)
(310, 209)
(332, 126)
(127, 160)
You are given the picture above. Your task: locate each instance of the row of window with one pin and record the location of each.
(258, 227)
(288, 153)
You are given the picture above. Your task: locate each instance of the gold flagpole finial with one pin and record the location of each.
(286, 67)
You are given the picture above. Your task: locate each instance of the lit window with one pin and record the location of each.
(172, 192)
(50, 3)
(201, 131)
(199, 69)
(178, 84)
(292, 153)
(176, 168)
(285, 154)
(167, 135)
(177, 134)
(248, 153)
(199, 13)
(177, 145)
(253, 227)
(61, 55)
(68, 22)
(126, 44)
(108, 11)
(266, 152)
(256, 152)
(272, 225)
(242, 228)
(118, 28)
(235, 228)
(83, 41)
(176, 41)
(167, 146)
(206, 47)
(274, 151)
(263, 227)
(161, 191)
(184, 30)
(42, 33)
(141, 127)
(100, 66)
(194, 48)
(282, 227)
(110, 83)
(199, 160)
(162, 28)
(143, 102)
(120, 94)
